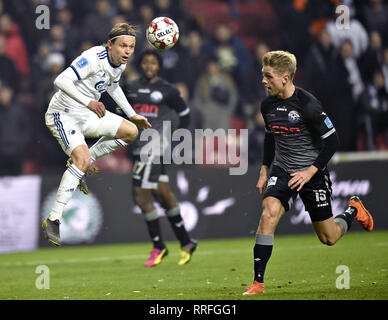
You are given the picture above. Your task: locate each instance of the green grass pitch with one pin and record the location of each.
(300, 268)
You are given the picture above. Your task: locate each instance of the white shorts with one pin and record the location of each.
(71, 131)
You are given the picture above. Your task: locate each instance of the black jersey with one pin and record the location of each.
(298, 125)
(156, 101)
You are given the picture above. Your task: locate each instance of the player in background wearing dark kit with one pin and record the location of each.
(299, 142)
(158, 99)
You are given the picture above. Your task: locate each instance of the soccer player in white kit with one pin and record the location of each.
(74, 114)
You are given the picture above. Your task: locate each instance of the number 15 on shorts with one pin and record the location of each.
(321, 197)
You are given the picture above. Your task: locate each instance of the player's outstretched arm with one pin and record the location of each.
(140, 121)
(118, 96)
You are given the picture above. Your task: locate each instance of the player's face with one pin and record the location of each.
(121, 49)
(149, 66)
(273, 82)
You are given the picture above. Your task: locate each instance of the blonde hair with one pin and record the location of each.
(281, 62)
(121, 29)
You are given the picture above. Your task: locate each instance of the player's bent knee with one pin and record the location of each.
(160, 199)
(83, 163)
(127, 132)
(81, 158)
(268, 218)
(327, 240)
(271, 210)
(331, 242)
(272, 204)
(165, 199)
(131, 133)
(138, 199)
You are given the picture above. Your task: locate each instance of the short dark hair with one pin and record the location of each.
(147, 52)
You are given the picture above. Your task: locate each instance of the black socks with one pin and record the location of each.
(178, 225)
(346, 218)
(152, 221)
(261, 253)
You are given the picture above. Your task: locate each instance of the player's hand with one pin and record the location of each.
(97, 107)
(300, 178)
(262, 184)
(140, 121)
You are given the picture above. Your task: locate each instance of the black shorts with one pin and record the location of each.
(148, 175)
(315, 194)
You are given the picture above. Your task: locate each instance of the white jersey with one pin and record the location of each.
(95, 73)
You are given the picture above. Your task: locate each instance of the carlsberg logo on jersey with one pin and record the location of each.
(82, 218)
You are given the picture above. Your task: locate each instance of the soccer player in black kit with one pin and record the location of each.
(157, 98)
(299, 142)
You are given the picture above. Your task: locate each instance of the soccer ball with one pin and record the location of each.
(162, 33)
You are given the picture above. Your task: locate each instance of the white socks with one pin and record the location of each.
(105, 146)
(68, 185)
(73, 175)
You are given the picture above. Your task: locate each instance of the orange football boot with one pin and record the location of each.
(363, 216)
(255, 288)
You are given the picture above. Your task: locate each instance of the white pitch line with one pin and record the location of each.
(83, 260)
(144, 256)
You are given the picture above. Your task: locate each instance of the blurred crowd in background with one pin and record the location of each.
(216, 65)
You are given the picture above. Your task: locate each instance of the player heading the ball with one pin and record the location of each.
(75, 113)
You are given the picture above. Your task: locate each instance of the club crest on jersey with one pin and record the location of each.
(293, 116)
(100, 86)
(156, 96)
